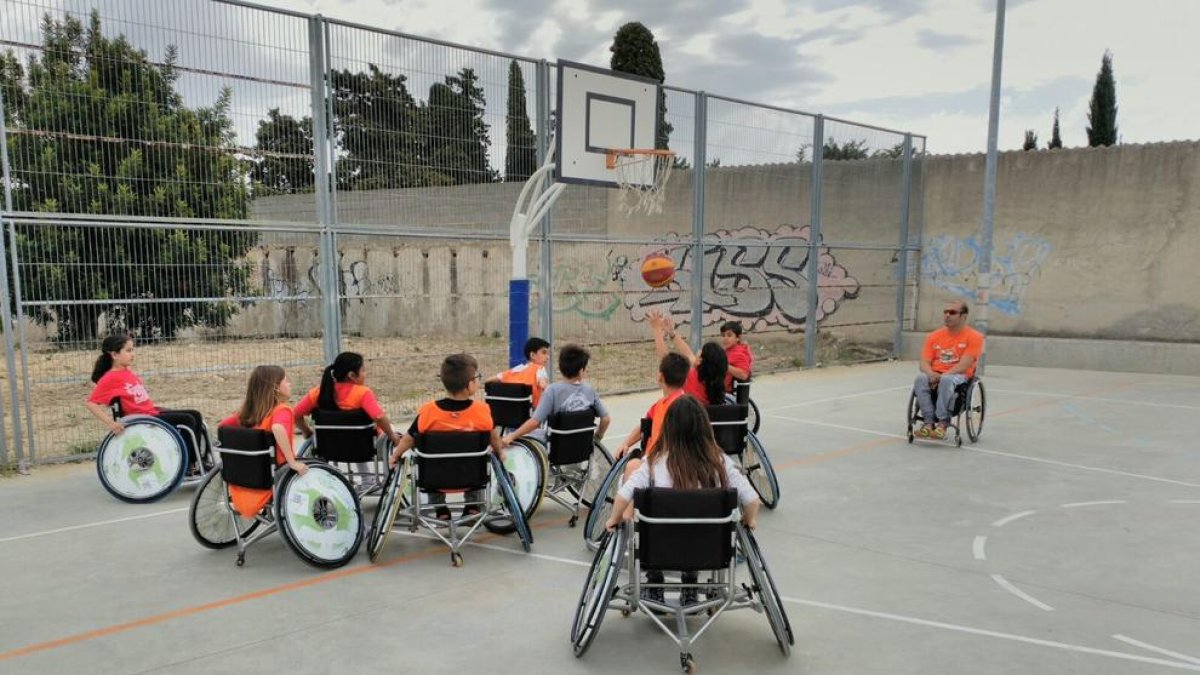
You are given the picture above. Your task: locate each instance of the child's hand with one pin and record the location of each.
(299, 467)
(613, 521)
(655, 318)
(750, 523)
(621, 450)
(506, 441)
(116, 428)
(395, 438)
(393, 459)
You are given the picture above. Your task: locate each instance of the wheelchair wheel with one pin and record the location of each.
(511, 505)
(526, 465)
(759, 471)
(210, 519)
(914, 415)
(305, 449)
(143, 464)
(976, 408)
(601, 503)
(755, 419)
(764, 585)
(389, 507)
(598, 589)
(319, 515)
(598, 466)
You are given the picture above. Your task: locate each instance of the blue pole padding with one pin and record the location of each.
(518, 320)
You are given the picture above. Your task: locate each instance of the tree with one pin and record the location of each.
(458, 136)
(521, 158)
(1102, 109)
(1055, 136)
(1030, 140)
(634, 51)
(285, 155)
(96, 128)
(852, 149)
(894, 152)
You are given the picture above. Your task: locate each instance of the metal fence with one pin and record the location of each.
(239, 185)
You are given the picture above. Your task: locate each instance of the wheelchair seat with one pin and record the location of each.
(730, 424)
(577, 461)
(511, 403)
(452, 460)
(685, 530)
(344, 436)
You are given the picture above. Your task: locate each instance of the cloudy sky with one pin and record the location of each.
(918, 65)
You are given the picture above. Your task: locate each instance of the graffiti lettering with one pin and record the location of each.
(950, 263)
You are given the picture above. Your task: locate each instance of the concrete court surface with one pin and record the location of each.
(1065, 541)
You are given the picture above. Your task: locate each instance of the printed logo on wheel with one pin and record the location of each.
(320, 513)
(142, 461)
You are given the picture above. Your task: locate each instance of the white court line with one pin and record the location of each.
(85, 526)
(1008, 586)
(1165, 652)
(1049, 394)
(1097, 503)
(1008, 519)
(1185, 501)
(838, 398)
(978, 547)
(999, 453)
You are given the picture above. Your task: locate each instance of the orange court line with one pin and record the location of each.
(1037, 404)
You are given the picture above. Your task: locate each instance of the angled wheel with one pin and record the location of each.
(598, 588)
(389, 506)
(305, 449)
(914, 415)
(319, 515)
(526, 466)
(976, 409)
(759, 471)
(209, 518)
(768, 595)
(598, 466)
(511, 505)
(755, 419)
(601, 502)
(145, 463)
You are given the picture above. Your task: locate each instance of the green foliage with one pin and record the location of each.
(1030, 140)
(852, 149)
(96, 128)
(521, 159)
(635, 51)
(1102, 109)
(894, 152)
(1055, 135)
(285, 148)
(458, 136)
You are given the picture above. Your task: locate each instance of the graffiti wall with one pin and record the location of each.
(950, 263)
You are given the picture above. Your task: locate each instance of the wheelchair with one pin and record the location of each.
(349, 438)
(526, 460)
(696, 531)
(150, 459)
(969, 407)
(447, 461)
(318, 514)
(578, 462)
(741, 394)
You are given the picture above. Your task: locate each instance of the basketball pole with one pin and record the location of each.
(536, 199)
(983, 290)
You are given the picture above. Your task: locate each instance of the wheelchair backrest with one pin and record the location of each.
(438, 467)
(683, 545)
(343, 435)
(741, 391)
(730, 424)
(511, 403)
(647, 425)
(571, 436)
(115, 406)
(247, 456)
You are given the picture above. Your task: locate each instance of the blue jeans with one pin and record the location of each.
(945, 396)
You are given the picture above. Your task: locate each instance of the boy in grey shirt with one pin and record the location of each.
(572, 395)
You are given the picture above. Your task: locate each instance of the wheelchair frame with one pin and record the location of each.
(574, 478)
(382, 446)
(964, 402)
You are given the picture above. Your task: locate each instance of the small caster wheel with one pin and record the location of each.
(958, 439)
(625, 612)
(241, 559)
(456, 560)
(910, 436)
(572, 521)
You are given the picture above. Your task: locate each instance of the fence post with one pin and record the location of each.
(698, 172)
(6, 312)
(902, 251)
(545, 273)
(814, 243)
(328, 279)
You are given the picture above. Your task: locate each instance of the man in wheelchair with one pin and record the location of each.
(948, 360)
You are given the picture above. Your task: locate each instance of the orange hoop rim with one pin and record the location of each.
(612, 154)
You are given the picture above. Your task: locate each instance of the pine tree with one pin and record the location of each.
(1102, 109)
(1030, 140)
(1055, 136)
(521, 158)
(457, 135)
(634, 51)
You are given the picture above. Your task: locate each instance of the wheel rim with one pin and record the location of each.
(144, 461)
(756, 472)
(321, 514)
(767, 593)
(385, 516)
(976, 412)
(210, 515)
(597, 517)
(524, 467)
(598, 467)
(593, 602)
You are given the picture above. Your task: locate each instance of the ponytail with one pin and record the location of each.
(338, 371)
(104, 363)
(714, 364)
(327, 399)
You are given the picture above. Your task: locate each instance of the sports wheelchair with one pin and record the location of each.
(349, 438)
(150, 459)
(318, 514)
(526, 459)
(447, 461)
(690, 531)
(970, 402)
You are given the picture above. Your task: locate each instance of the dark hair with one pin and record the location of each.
(104, 363)
(262, 395)
(338, 371)
(965, 310)
(533, 344)
(457, 372)
(674, 369)
(572, 359)
(734, 327)
(714, 364)
(694, 460)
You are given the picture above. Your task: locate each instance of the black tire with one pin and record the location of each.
(755, 419)
(511, 505)
(760, 473)
(208, 516)
(145, 463)
(913, 415)
(764, 586)
(602, 503)
(976, 409)
(335, 508)
(526, 457)
(599, 465)
(388, 508)
(598, 589)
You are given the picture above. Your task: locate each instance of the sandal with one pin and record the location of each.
(939, 431)
(925, 431)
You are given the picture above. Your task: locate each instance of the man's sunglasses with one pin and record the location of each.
(951, 312)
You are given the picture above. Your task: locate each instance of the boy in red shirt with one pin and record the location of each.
(947, 360)
(741, 360)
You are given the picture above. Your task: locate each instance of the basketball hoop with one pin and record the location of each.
(642, 177)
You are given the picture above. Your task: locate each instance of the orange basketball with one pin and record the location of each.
(658, 269)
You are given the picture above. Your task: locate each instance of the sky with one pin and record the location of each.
(913, 65)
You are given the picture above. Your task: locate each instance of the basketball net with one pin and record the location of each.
(631, 168)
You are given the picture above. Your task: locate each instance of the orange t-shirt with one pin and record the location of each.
(944, 349)
(475, 417)
(349, 396)
(657, 413)
(526, 374)
(249, 501)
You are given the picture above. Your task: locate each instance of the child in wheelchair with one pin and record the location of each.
(706, 378)
(458, 411)
(532, 372)
(737, 353)
(571, 395)
(686, 456)
(672, 373)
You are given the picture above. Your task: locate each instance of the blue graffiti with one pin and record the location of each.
(951, 264)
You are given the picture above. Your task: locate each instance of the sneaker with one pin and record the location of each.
(925, 431)
(470, 512)
(939, 431)
(442, 513)
(688, 596)
(653, 595)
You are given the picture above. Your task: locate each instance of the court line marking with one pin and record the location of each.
(84, 526)
(1075, 505)
(1185, 501)
(1011, 588)
(1149, 647)
(1016, 516)
(1149, 404)
(837, 398)
(977, 548)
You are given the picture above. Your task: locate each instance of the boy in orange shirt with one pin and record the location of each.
(532, 372)
(672, 373)
(947, 360)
